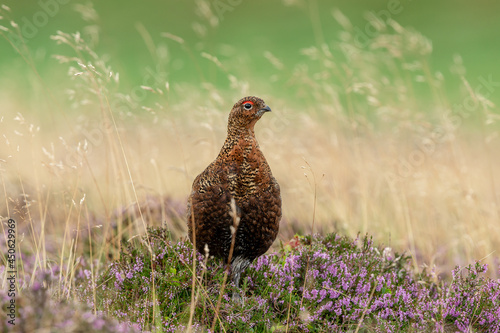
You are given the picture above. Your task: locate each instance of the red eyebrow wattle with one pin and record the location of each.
(248, 102)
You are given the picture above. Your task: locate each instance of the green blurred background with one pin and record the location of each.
(244, 32)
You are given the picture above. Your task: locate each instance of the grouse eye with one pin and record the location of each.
(248, 105)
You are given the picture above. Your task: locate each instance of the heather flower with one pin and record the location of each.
(328, 284)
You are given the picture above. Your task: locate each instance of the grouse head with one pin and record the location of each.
(246, 112)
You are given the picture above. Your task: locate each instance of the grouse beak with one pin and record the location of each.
(264, 109)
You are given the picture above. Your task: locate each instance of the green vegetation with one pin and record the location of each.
(312, 284)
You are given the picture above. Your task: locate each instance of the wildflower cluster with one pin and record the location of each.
(335, 284)
(320, 283)
(43, 306)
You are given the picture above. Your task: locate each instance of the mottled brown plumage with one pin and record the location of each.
(239, 172)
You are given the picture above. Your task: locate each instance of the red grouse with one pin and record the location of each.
(236, 192)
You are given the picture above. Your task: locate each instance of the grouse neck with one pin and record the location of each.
(237, 136)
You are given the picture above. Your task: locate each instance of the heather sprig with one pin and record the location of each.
(471, 300)
(40, 306)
